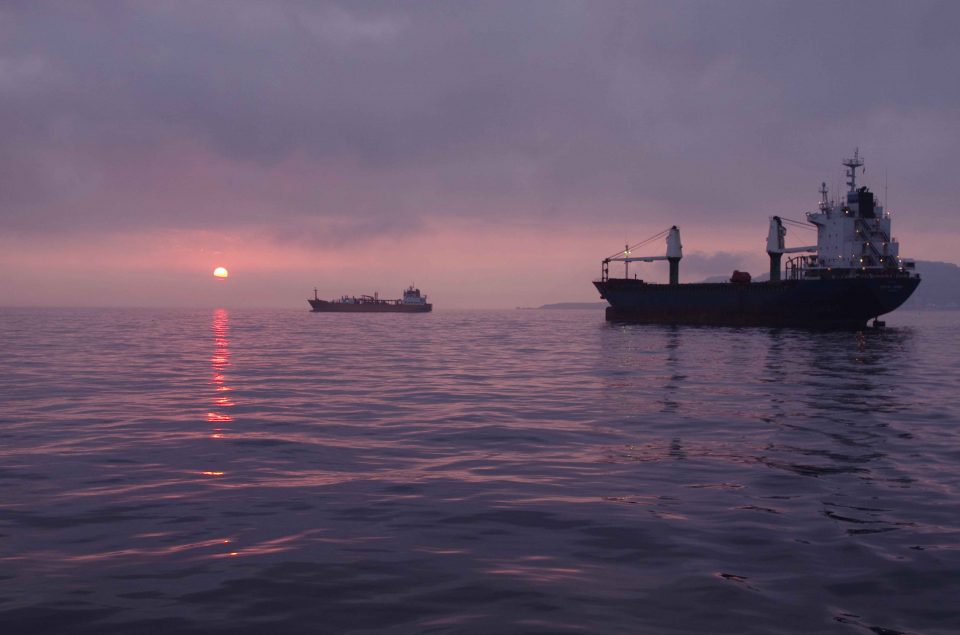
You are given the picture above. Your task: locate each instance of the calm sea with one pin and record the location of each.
(474, 472)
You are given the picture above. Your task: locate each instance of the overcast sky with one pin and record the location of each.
(491, 152)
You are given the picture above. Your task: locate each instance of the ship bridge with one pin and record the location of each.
(853, 236)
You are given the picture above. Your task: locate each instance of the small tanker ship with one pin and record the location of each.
(852, 275)
(411, 302)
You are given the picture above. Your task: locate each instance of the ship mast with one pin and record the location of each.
(852, 165)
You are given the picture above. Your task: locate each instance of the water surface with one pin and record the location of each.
(474, 472)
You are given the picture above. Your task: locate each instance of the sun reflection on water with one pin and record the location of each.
(219, 361)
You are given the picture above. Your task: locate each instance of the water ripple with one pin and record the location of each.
(521, 472)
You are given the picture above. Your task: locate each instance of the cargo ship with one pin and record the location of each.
(411, 302)
(852, 275)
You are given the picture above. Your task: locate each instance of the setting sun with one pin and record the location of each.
(221, 272)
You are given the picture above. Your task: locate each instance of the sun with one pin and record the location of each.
(220, 272)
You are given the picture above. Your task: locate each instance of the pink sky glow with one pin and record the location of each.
(491, 153)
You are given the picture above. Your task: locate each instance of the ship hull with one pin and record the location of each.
(323, 306)
(826, 303)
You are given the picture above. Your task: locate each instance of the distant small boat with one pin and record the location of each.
(411, 302)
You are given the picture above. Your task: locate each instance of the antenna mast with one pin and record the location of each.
(852, 165)
(886, 202)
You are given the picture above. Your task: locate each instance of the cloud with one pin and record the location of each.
(339, 123)
(719, 262)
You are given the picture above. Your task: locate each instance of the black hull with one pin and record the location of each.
(827, 303)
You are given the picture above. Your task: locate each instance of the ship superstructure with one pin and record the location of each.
(853, 273)
(853, 237)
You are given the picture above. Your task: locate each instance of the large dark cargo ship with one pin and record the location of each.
(411, 302)
(853, 274)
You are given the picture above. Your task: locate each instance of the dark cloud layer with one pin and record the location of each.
(187, 114)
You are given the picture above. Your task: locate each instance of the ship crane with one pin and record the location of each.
(673, 256)
(776, 246)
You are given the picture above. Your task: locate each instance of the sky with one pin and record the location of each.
(492, 153)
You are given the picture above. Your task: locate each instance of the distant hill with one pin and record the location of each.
(939, 289)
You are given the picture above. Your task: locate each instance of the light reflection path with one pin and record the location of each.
(219, 416)
(219, 361)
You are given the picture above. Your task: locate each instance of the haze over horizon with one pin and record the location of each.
(492, 153)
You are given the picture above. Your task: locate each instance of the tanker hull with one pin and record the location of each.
(412, 302)
(323, 306)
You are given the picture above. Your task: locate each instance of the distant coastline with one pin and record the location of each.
(574, 305)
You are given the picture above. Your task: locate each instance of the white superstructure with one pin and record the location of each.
(412, 296)
(853, 237)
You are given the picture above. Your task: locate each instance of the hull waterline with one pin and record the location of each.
(323, 306)
(837, 303)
